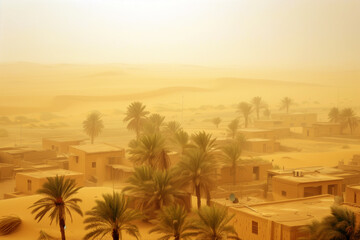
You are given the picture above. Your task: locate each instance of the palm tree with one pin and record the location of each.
(245, 109)
(267, 113)
(231, 155)
(135, 116)
(9, 224)
(216, 121)
(173, 223)
(150, 149)
(153, 123)
(181, 141)
(198, 170)
(286, 102)
(111, 215)
(348, 118)
(334, 115)
(204, 141)
(258, 103)
(154, 188)
(341, 224)
(93, 125)
(58, 200)
(171, 128)
(233, 128)
(212, 223)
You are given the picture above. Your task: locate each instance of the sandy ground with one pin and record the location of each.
(29, 228)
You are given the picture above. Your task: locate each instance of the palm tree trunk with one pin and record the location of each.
(246, 121)
(208, 197)
(62, 227)
(257, 113)
(92, 139)
(234, 174)
(177, 237)
(198, 196)
(115, 234)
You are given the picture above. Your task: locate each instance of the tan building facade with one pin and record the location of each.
(93, 159)
(280, 220)
(325, 129)
(19, 155)
(296, 119)
(352, 194)
(261, 145)
(30, 182)
(305, 185)
(60, 144)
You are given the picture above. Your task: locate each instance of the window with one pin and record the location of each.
(283, 193)
(254, 227)
(93, 164)
(29, 185)
(77, 159)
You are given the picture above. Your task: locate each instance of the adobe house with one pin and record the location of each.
(301, 185)
(353, 165)
(30, 182)
(60, 144)
(17, 155)
(274, 133)
(350, 177)
(6, 171)
(296, 119)
(268, 124)
(261, 145)
(93, 159)
(280, 220)
(352, 194)
(249, 170)
(322, 129)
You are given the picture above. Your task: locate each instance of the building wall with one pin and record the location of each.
(244, 173)
(296, 120)
(85, 163)
(59, 147)
(258, 146)
(21, 181)
(6, 172)
(352, 195)
(38, 156)
(296, 190)
(322, 131)
(268, 124)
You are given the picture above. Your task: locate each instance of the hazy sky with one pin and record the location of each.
(248, 33)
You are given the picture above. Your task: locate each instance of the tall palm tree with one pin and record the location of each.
(341, 224)
(286, 102)
(267, 113)
(334, 115)
(258, 103)
(204, 141)
(58, 200)
(173, 223)
(245, 109)
(181, 141)
(233, 128)
(206, 144)
(150, 149)
(197, 170)
(171, 128)
(216, 121)
(212, 223)
(93, 125)
(231, 155)
(111, 215)
(153, 123)
(154, 189)
(135, 116)
(348, 118)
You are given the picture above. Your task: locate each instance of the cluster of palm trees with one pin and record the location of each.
(346, 117)
(341, 224)
(112, 215)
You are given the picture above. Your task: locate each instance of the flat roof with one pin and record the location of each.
(355, 186)
(122, 167)
(319, 169)
(97, 148)
(254, 130)
(291, 212)
(65, 139)
(326, 124)
(308, 178)
(268, 120)
(19, 150)
(50, 173)
(258, 140)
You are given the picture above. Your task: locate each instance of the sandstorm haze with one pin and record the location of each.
(278, 80)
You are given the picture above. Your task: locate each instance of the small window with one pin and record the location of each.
(93, 164)
(254, 227)
(29, 185)
(77, 159)
(283, 193)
